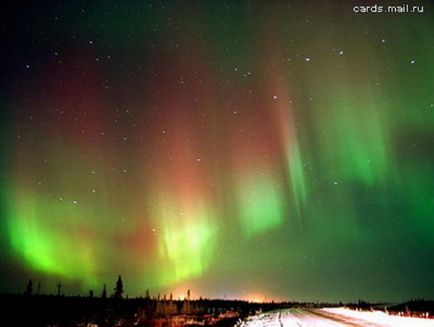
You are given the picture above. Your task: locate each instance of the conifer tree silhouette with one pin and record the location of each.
(119, 289)
(104, 292)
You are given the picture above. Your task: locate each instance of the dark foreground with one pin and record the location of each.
(45, 310)
(62, 311)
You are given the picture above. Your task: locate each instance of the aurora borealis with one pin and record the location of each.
(241, 149)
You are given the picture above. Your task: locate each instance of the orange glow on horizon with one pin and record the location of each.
(258, 298)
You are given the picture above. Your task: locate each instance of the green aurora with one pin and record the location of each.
(240, 149)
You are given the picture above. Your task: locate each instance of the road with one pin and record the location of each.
(328, 317)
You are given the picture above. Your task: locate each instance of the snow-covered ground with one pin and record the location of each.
(379, 318)
(329, 317)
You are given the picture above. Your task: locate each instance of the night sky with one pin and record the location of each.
(243, 149)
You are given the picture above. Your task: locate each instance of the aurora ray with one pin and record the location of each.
(276, 148)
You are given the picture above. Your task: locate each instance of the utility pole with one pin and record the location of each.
(59, 288)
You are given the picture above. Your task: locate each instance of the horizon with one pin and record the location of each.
(237, 149)
(38, 290)
(179, 297)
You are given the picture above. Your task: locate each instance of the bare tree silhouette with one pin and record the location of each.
(29, 288)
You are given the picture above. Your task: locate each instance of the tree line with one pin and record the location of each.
(118, 290)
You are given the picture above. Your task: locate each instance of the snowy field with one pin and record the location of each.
(332, 317)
